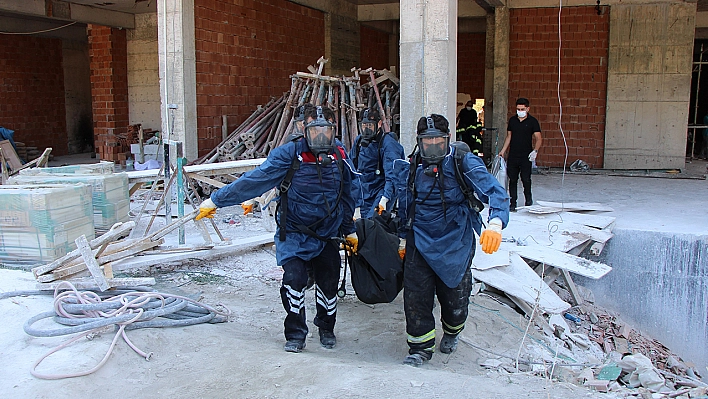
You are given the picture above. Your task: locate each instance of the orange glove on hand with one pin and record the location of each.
(402, 248)
(247, 207)
(382, 205)
(491, 237)
(351, 243)
(206, 210)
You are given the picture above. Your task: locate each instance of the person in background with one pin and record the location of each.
(523, 140)
(372, 155)
(469, 129)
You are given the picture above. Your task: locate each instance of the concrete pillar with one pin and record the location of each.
(394, 41)
(178, 91)
(341, 40)
(500, 98)
(648, 85)
(489, 73)
(428, 63)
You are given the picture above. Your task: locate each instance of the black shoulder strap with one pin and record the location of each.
(459, 155)
(284, 187)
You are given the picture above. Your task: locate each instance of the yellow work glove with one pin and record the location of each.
(352, 243)
(247, 207)
(206, 210)
(491, 237)
(402, 248)
(382, 205)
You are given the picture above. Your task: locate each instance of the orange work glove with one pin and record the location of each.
(247, 207)
(352, 243)
(491, 237)
(402, 248)
(206, 210)
(382, 205)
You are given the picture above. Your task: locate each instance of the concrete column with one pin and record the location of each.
(178, 91)
(500, 98)
(648, 85)
(428, 63)
(489, 73)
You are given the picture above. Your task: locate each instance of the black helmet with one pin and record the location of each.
(433, 141)
(320, 134)
(368, 125)
(299, 119)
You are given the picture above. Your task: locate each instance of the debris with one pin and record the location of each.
(598, 385)
(610, 372)
(572, 317)
(593, 318)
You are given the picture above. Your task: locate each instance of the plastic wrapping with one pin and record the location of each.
(499, 171)
(101, 168)
(111, 199)
(39, 223)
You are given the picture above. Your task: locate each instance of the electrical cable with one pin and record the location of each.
(560, 105)
(38, 31)
(89, 313)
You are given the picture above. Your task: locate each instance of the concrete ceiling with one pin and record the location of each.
(128, 6)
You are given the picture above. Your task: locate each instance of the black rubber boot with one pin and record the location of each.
(416, 359)
(294, 346)
(327, 339)
(448, 343)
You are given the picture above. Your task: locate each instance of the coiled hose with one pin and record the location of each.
(88, 312)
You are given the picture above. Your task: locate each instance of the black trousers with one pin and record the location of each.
(420, 285)
(514, 167)
(325, 267)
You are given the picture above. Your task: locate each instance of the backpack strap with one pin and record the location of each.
(284, 187)
(462, 149)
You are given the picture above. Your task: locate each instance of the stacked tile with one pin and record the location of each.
(39, 223)
(111, 199)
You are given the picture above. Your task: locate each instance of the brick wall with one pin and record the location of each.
(533, 73)
(109, 91)
(471, 51)
(32, 91)
(245, 54)
(374, 48)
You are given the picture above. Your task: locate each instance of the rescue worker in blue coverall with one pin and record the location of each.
(319, 206)
(372, 155)
(438, 241)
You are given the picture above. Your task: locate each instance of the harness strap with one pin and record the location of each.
(284, 187)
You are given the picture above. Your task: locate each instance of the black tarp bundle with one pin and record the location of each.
(376, 268)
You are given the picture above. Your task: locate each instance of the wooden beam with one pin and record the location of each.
(89, 284)
(91, 264)
(207, 180)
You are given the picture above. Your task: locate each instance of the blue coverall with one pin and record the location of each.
(375, 165)
(319, 198)
(440, 243)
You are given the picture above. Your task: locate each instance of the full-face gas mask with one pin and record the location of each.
(368, 126)
(433, 143)
(320, 135)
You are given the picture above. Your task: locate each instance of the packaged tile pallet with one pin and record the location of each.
(39, 223)
(100, 168)
(111, 200)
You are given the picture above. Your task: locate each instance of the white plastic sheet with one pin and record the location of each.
(499, 171)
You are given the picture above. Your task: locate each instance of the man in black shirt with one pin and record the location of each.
(521, 132)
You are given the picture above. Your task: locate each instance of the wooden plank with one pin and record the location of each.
(10, 155)
(577, 206)
(537, 316)
(577, 298)
(483, 261)
(596, 221)
(135, 248)
(519, 280)
(207, 180)
(530, 230)
(559, 259)
(4, 173)
(117, 230)
(91, 264)
(134, 188)
(39, 162)
(214, 169)
(87, 283)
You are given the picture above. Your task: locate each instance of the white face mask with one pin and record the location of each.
(521, 114)
(469, 108)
